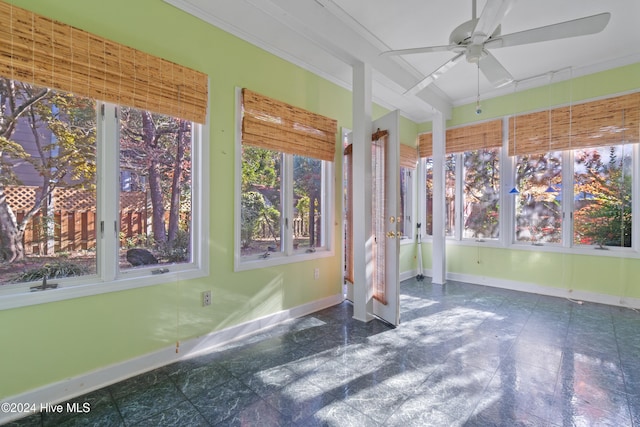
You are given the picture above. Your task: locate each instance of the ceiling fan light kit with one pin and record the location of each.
(472, 40)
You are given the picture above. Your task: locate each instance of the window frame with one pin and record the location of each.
(567, 244)
(108, 277)
(409, 206)
(463, 198)
(458, 215)
(288, 255)
(507, 207)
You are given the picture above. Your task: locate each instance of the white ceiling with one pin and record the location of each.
(328, 36)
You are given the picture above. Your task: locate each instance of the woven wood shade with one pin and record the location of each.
(43, 52)
(603, 122)
(474, 137)
(408, 156)
(274, 125)
(425, 144)
(465, 138)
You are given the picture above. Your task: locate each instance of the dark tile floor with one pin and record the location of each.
(464, 355)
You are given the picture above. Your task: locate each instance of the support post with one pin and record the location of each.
(439, 267)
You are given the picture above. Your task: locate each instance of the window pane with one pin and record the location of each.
(155, 189)
(481, 193)
(428, 164)
(261, 202)
(307, 204)
(406, 192)
(450, 195)
(602, 196)
(48, 177)
(539, 203)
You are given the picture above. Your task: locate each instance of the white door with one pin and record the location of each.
(385, 217)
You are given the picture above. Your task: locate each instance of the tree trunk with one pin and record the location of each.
(155, 186)
(11, 234)
(174, 211)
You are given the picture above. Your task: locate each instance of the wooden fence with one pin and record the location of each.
(71, 215)
(300, 228)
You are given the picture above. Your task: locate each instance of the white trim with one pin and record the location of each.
(405, 275)
(575, 295)
(64, 390)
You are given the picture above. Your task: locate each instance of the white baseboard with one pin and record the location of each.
(62, 391)
(573, 294)
(408, 274)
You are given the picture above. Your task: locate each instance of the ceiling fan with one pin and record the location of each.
(473, 39)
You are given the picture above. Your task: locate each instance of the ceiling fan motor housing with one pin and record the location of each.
(462, 36)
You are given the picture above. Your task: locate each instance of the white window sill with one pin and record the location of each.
(12, 296)
(247, 263)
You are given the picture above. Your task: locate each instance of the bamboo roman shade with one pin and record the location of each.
(43, 52)
(465, 138)
(274, 125)
(425, 144)
(408, 156)
(603, 122)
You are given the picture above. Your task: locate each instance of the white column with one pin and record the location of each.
(439, 265)
(362, 247)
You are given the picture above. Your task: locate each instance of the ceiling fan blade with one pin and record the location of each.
(490, 19)
(577, 27)
(494, 71)
(411, 51)
(435, 75)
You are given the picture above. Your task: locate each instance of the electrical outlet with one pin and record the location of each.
(206, 298)
(316, 273)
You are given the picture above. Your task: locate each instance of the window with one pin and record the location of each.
(156, 213)
(481, 193)
(61, 157)
(602, 196)
(406, 203)
(49, 179)
(266, 201)
(408, 163)
(472, 181)
(284, 183)
(574, 173)
(101, 194)
(538, 204)
(449, 194)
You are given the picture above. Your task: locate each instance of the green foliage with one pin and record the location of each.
(137, 241)
(603, 214)
(176, 250)
(482, 192)
(302, 206)
(260, 168)
(52, 270)
(255, 214)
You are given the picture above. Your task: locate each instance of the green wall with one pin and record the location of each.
(602, 84)
(606, 275)
(45, 343)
